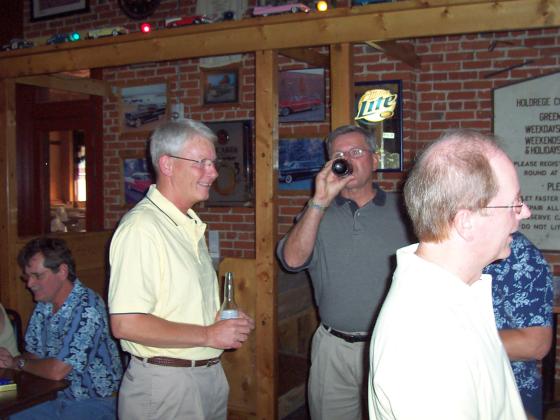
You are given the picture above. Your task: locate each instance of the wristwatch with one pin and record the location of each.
(20, 363)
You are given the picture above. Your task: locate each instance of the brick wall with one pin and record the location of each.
(450, 90)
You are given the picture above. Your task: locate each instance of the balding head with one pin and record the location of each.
(453, 173)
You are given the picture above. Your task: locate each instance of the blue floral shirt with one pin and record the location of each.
(522, 296)
(78, 334)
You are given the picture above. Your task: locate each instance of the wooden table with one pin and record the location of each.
(31, 390)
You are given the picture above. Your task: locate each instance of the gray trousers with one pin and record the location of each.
(338, 378)
(169, 393)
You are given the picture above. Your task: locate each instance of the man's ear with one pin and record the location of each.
(463, 224)
(63, 270)
(376, 158)
(165, 164)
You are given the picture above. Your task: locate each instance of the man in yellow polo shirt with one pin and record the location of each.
(163, 292)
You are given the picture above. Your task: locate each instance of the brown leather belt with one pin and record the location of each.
(170, 361)
(349, 338)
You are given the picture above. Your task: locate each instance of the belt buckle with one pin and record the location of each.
(211, 362)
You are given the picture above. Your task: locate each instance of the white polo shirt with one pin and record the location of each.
(435, 351)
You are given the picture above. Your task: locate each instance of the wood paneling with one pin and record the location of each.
(266, 152)
(380, 22)
(342, 87)
(240, 364)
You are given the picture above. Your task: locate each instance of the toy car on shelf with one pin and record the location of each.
(17, 43)
(108, 31)
(284, 8)
(64, 37)
(189, 20)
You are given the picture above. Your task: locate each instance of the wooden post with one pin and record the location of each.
(266, 151)
(8, 209)
(342, 86)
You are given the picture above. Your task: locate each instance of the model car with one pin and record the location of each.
(108, 31)
(17, 43)
(284, 8)
(189, 20)
(297, 104)
(63, 37)
(144, 115)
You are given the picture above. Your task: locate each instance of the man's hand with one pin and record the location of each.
(6, 359)
(328, 185)
(230, 333)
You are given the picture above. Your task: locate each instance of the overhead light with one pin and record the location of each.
(145, 27)
(322, 6)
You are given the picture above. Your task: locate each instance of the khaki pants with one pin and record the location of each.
(337, 378)
(163, 392)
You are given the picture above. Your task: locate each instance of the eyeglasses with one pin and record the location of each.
(517, 208)
(353, 153)
(202, 163)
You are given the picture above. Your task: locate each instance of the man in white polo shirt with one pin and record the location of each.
(435, 350)
(163, 293)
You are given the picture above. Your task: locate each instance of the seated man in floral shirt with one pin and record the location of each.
(67, 337)
(522, 296)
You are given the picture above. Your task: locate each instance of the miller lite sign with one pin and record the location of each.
(376, 105)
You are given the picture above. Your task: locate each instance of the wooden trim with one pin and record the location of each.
(75, 84)
(8, 187)
(399, 20)
(342, 87)
(266, 150)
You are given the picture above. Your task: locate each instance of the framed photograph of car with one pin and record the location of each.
(220, 86)
(378, 108)
(137, 176)
(143, 107)
(301, 95)
(48, 9)
(299, 160)
(234, 149)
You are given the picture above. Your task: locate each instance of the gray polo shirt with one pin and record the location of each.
(354, 258)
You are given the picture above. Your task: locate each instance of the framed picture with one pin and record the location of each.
(137, 176)
(381, 113)
(48, 9)
(220, 86)
(299, 160)
(234, 148)
(301, 95)
(143, 107)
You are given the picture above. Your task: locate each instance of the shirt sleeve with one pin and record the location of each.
(135, 263)
(522, 288)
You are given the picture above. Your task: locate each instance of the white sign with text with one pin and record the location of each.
(527, 118)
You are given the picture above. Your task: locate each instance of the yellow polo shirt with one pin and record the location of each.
(160, 265)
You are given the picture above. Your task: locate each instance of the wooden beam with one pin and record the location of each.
(71, 84)
(342, 87)
(8, 187)
(266, 209)
(307, 55)
(403, 51)
(389, 21)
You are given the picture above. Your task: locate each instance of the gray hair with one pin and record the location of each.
(346, 129)
(453, 173)
(170, 138)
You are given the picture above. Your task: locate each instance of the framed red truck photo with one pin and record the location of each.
(301, 95)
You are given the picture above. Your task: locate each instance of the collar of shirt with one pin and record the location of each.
(190, 220)
(448, 283)
(379, 199)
